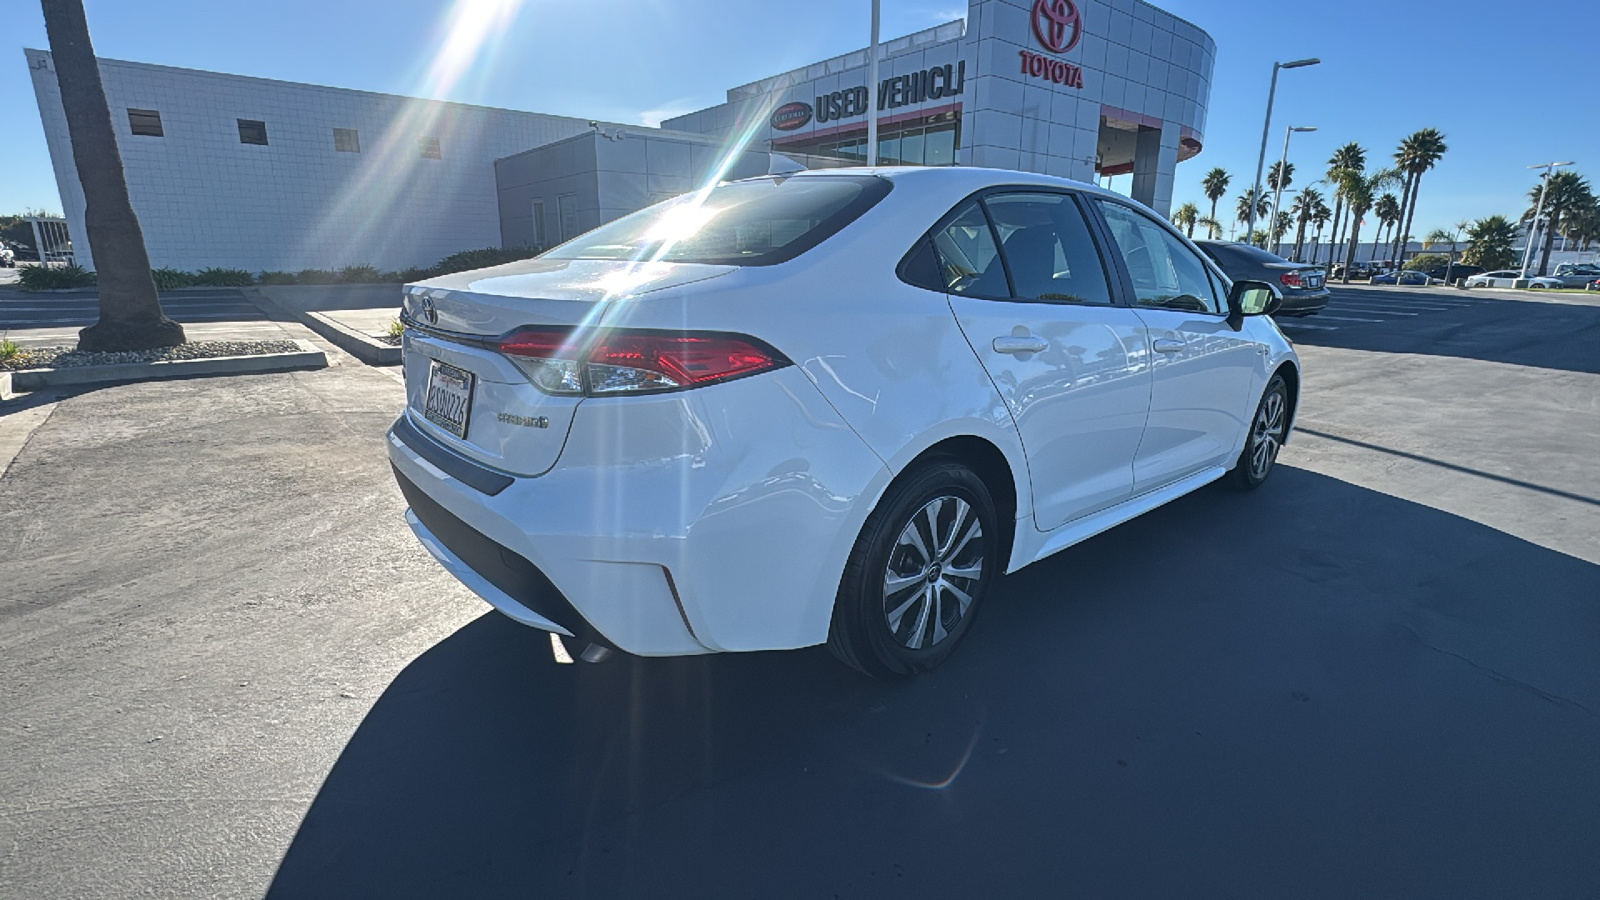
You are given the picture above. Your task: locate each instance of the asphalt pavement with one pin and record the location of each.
(228, 670)
(53, 318)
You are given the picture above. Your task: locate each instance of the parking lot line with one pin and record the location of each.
(1386, 312)
(1327, 317)
(1308, 325)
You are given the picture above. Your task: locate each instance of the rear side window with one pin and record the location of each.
(969, 260)
(758, 222)
(1047, 248)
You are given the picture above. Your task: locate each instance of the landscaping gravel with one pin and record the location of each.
(65, 357)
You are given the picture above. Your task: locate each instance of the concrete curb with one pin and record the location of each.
(369, 350)
(5, 386)
(307, 357)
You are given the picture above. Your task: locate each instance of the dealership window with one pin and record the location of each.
(252, 131)
(146, 122)
(429, 146)
(346, 140)
(538, 224)
(567, 209)
(925, 141)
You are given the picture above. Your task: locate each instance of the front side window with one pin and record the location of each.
(969, 261)
(1165, 273)
(1047, 248)
(757, 222)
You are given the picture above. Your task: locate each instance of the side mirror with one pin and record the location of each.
(1252, 298)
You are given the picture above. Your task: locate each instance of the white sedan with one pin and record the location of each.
(827, 407)
(1508, 278)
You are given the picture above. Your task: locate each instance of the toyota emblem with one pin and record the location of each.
(429, 312)
(1056, 24)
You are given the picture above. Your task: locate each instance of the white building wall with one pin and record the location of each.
(205, 199)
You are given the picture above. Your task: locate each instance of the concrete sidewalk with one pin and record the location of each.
(367, 309)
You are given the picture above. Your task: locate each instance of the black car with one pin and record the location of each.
(1304, 293)
(1458, 272)
(1359, 270)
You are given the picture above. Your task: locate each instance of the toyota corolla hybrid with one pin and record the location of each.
(831, 407)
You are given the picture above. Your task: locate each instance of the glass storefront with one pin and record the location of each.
(926, 141)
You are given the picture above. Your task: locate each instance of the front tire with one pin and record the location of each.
(918, 573)
(1268, 427)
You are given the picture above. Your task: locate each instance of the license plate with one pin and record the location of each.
(449, 397)
(1314, 282)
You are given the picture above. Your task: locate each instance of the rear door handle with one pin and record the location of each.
(1167, 345)
(1020, 344)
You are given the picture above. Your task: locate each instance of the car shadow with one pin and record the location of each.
(1544, 334)
(1310, 690)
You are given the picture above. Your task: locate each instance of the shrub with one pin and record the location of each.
(467, 260)
(212, 277)
(407, 276)
(54, 277)
(360, 275)
(166, 279)
(9, 348)
(316, 276)
(396, 328)
(275, 278)
(1424, 261)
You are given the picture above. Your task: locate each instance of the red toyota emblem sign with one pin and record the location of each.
(1056, 24)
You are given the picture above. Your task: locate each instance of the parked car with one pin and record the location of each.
(1576, 274)
(1505, 278)
(1304, 293)
(8, 259)
(1405, 276)
(1454, 274)
(830, 408)
(1357, 271)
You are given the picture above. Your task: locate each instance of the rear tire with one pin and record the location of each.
(1268, 427)
(918, 573)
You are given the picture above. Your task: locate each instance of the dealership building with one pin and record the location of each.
(252, 173)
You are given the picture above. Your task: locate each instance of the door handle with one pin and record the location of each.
(1020, 344)
(1167, 345)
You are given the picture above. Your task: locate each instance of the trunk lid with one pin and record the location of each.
(509, 424)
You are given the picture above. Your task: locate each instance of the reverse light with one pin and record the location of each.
(1290, 279)
(558, 362)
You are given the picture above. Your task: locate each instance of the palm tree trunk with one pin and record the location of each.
(1411, 212)
(130, 310)
(1350, 255)
(1394, 247)
(1549, 240)
(1209, 228)
(1300, 231)
(1338, 216)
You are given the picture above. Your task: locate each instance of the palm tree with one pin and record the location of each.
(1185, 218)
(1387, 209)
(1280, 227)
(1302, 208)
(1565, 193)
(1582, 225)
(1440, 236)
(1349, 158)
(1320, 215)
(1417, 154)
(1212, 226)
(1288, 176)
(1489, 243)
(130, 310)
(1358, 192)
(1242, 208)
(1215, 184)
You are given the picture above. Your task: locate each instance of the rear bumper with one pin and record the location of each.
(1303, 303)
(677, 524)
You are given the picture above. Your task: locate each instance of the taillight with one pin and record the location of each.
(1290, 279)
(558, 361)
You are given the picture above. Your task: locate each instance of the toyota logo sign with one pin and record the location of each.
(429, 311)
(1056, 24)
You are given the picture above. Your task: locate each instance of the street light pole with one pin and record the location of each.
(1277, 189)
(872, 91)
(1266, 129)
(1538, 210)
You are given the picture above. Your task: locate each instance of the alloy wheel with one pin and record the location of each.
(933, 570)
(1266, 435)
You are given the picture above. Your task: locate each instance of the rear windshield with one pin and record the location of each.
(1240, 253)
(757, 222)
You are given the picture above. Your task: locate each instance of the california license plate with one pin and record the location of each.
(449, 398)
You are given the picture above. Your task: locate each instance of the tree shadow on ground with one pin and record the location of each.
(1314, 690)
(1548, 335)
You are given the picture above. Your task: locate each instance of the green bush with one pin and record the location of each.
(54, 277)
(413, 274)
(166, 279)
(9, 348)
(360, 275)
(316, 276)
(1424, 261)
(468, 260)
(212, 277)
(274, 278)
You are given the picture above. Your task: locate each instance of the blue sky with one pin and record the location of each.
(1509, 86)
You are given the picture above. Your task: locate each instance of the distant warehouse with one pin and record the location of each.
(252, 173)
